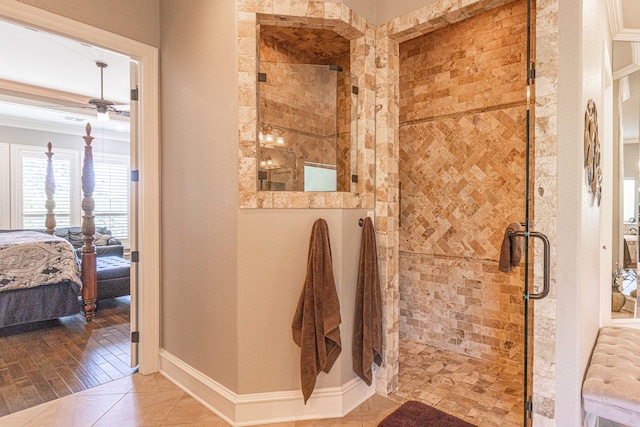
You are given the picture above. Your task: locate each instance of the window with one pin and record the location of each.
(5, 194)
(22, 176)
(318, 177)
(630, 203)
(111, 194)
(29, 167)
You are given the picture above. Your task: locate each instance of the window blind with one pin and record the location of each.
(111, 195)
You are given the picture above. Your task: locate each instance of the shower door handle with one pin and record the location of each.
(546, 279)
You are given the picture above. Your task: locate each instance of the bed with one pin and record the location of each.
(39, 278)
(40, 274)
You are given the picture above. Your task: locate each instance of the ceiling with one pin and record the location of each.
(307, 45)
(51, 79)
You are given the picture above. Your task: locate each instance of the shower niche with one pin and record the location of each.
(307, 111)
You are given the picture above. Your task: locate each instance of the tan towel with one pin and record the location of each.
(316, 322)
(367, 325)
(511, 250)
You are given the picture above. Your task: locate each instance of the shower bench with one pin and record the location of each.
(611, 388)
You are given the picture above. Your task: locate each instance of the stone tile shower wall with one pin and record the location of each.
(462, 170)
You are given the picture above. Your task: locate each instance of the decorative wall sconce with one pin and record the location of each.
(267, 139)
(268, 163)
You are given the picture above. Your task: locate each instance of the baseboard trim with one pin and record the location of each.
(263, 408)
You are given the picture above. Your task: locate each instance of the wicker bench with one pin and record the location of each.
(611, 389)
(113, 277)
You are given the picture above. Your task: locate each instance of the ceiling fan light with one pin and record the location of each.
(103, 116)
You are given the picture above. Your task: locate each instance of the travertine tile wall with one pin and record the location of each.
(299, 98)
(545, 128)
(462, 169)
(387, 208)
(422, 21)
(309, 14)
(462, 305)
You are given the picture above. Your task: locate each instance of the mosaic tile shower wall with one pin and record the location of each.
(462, 160)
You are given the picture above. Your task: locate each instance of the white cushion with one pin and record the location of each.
(611, 388)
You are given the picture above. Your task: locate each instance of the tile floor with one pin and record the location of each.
(476, 391)
(152, 400)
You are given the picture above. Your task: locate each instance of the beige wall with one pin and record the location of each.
(14, 135)
(231, 278)
(364, 8)
(381, 11)
(631, 156)
(199, 182)
(272, 258)
(386, 10)
(578, 250)
(137, 20)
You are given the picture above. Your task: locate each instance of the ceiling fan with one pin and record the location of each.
(102, 106)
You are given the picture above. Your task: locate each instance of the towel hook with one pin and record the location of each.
(361, 222)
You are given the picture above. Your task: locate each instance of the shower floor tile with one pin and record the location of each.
(477, 391)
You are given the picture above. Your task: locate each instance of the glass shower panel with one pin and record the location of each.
(304, 119)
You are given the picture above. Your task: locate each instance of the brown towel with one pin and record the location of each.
(316, 324)
(511, 250)
(367, 325)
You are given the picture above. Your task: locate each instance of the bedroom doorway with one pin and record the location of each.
(73, 355)
(144, 160)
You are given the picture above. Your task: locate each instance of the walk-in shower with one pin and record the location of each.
(463, 170)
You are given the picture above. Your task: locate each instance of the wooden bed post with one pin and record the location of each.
(89, 275)
(50, 190)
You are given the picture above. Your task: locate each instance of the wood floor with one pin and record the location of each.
(43, 361)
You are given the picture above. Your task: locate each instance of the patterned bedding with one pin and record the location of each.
(29, 259)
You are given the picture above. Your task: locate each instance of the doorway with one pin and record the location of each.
(146, 157)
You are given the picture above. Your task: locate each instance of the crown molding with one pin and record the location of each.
(628, 35)
(625, 71)
(616, 23)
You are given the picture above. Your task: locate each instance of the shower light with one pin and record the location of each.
(268, 139)
(268, 163)
(266, 136)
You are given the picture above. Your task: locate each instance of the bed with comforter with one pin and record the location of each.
(39, 278)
